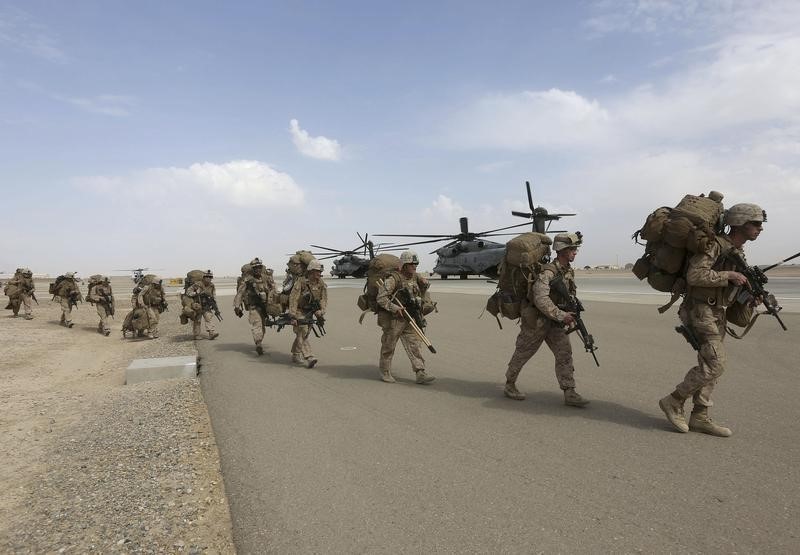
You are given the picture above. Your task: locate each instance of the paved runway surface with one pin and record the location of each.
(334, 460)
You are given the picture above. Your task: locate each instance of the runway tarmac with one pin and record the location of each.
(334, 460)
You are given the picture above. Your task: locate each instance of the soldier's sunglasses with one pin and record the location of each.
(756, 224)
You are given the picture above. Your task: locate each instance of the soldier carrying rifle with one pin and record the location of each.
(102, 297)
(203, 293)
(400, 295)
(543, 321)
(715, 282)
(308, 301)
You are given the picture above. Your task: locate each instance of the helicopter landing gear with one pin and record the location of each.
(463, 276)
(444, 276)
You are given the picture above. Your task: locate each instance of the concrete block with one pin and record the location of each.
(164, 368)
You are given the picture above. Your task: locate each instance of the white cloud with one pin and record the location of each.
(321, 148)
(21, 33)
(239, 183)
(106, 104)
(530, 119)
(443, 207)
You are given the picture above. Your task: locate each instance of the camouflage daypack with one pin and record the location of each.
(671, 236)
(525, 255)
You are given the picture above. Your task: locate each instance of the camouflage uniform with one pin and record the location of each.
(102, 297)
(703, 310)
(22, 284)
(396, 327)
(142, 299)
(67, 293)
(542, 321)
(254, 293)
(713, 283)
(303, 292)
(195, 291)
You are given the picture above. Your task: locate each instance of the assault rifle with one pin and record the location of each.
(317, 324)
(415, 325)
(575, 306)
(33, 296)
(754, 289)
(209, 303)
(73, 298)
(107, 300)
(689, 336)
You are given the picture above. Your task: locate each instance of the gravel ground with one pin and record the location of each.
(89, 465)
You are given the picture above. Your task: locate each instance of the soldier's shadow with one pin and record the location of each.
(549, 403)
(249, 350)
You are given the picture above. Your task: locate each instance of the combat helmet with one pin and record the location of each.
(255, 263)
(740, 214)
(314, 265)
(408, 257)
(566, 240)
(208, 274)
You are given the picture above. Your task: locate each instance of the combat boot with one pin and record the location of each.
(297, 358)
(213, 335)
(511, 391)
(29, 316)
(106, 332)
(700, 421)
(311, 362)
(387, 376)
(573, 399)
(423, 378)
(259, 349)
(673, 409)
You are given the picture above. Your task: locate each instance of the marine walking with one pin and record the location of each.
(542, 320)
(400, 294)
(21, 290)
(308, 301)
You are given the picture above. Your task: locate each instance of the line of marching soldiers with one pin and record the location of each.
(402, 300)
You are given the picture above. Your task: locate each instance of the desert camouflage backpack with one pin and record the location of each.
(380, 267)
(671, 236)
(525, 255)
(190, 306)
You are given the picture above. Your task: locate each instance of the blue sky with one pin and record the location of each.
(177, 135)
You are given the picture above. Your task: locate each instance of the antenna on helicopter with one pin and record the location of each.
(541, 219)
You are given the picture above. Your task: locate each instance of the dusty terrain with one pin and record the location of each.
(88, 464)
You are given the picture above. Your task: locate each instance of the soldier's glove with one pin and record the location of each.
(238, 311)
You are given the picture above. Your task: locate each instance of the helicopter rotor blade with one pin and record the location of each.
(530, 197)
(500, 229)
(326, 248)
(522, 214)
(441, 236)
(424, 242)
(464, 226)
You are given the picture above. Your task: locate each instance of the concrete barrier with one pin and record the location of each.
(164, 368)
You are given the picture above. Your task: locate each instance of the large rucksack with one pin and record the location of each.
(380, 267)
(189, 305)
(524, 258)
(155, 296)
(64, 287)
(671, 236)
(136, 322)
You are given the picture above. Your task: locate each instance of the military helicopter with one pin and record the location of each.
(469, 254)
(136, 273)
(539, 215)
(350, 263)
